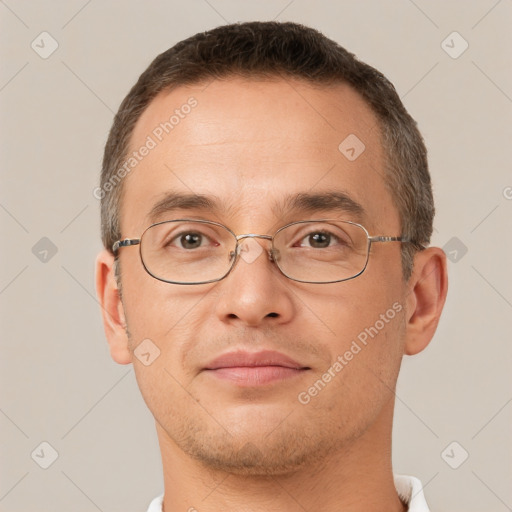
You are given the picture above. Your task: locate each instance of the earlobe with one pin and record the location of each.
(427, 289)
(112, 311)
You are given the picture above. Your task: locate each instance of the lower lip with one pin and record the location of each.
(255, 375)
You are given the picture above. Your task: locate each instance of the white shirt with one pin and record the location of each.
(408, 488)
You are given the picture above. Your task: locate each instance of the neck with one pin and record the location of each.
(357, 477)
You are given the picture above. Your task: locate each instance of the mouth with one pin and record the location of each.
(254, 368)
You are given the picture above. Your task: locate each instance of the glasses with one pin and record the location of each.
(188, 251)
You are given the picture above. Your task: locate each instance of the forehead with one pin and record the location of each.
(249, 143)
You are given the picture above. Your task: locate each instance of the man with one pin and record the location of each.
(266, 214)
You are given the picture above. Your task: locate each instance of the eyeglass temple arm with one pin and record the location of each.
(125, 243)
(389, 239)
(404, 239)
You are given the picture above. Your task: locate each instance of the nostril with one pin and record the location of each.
(273, 315)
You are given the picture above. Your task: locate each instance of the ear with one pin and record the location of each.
(114, 321)
(427, 288)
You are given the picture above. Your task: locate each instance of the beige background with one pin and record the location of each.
(58, 383)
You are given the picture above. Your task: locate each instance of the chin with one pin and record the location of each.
(249, 460)
(284, 450)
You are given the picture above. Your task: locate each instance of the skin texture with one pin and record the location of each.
(249, 143)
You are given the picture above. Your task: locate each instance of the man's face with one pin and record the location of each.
(248, 146)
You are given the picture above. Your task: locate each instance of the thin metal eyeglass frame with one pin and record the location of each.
(128, 242)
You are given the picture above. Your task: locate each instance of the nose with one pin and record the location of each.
(255, 293)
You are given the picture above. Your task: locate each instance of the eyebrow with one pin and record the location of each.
(175, 201)
(297, 203)
(323, 202)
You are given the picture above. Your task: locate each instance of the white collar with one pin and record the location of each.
(409, 489)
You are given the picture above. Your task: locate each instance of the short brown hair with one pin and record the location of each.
(273, 50)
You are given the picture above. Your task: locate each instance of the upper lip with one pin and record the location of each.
(252, 359)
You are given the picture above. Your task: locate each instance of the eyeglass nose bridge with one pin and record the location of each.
(271, 252)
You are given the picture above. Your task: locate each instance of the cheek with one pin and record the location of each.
(154, 309)
(366, 339)
(349, 308)
(162, 390)
(360, 380)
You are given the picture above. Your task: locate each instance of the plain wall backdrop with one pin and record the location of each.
(450, 62)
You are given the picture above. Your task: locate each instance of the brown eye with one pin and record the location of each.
(319, 240)
(190, 240)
